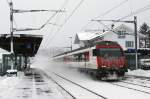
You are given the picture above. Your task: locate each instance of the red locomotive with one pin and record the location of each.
(105, 60)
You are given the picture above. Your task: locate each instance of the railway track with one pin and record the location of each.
(144, 82)
(81, 86)
(133, 86)
(71, 95)
(138, 82)
(82, 90)
(125, 85)
(140, 77)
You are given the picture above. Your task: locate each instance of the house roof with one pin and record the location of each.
(86, 36)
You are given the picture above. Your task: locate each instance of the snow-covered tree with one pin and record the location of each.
(145, 29)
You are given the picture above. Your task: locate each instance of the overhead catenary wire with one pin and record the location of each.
(145, 8)
(7, 2)
(63, 7)
(67, 19)
(131, 6)
(51, 31)
(106, 12)
(48, 20)
(42, 26)
(140, 10)
(39, 28)
(73, 12)
(113, 8)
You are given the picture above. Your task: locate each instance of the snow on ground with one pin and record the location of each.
(28, 87)
(108, 90)
(139, 72)
(24, 87)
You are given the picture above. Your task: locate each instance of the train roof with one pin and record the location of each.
(75, 50)
(86, 48)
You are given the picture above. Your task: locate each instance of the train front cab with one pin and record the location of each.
(111, 62)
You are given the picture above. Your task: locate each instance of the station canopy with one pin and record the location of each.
(24, 44)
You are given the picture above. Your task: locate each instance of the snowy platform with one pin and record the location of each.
(35, 86)
(139, 73)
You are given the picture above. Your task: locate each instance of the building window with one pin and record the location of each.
(144, 43)
(129, 44)
(121, 34)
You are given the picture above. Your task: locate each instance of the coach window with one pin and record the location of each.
(86, 56)
(79, 57)
(95, 52)
(82, 57)
(75, 58)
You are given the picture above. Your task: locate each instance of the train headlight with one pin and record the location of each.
(104, 66)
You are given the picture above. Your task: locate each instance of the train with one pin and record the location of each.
(105, 60)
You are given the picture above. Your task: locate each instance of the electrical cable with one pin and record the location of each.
(140, 10)
(62, 7)
(8, 2)
(48, 20)
(130, 6)
(73, 12)
(105, 13)
(118, 5)
(113, 8)
(145, 8)
(66, 20)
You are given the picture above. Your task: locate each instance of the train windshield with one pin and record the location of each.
(109, 52)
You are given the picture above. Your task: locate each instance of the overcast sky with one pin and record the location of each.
(54, 35)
